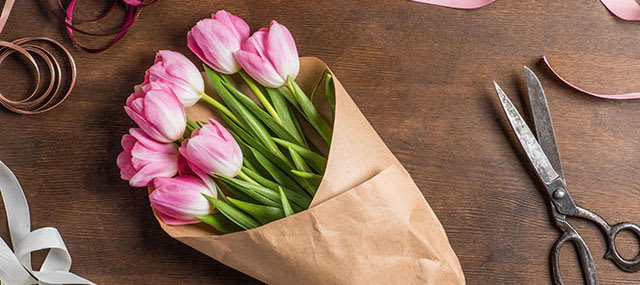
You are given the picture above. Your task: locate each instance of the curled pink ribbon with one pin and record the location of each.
(624, 9)
(604, 96)
(41, 99)
(134, 8)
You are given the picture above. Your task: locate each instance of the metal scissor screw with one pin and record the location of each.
(559, 193)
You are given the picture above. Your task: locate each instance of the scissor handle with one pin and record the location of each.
(586, 260)
(629, 265)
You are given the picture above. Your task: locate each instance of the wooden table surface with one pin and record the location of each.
(423, 77)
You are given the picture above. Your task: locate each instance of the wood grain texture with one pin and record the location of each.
(423, 77)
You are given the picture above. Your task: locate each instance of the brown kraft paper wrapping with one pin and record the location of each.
(368, 223)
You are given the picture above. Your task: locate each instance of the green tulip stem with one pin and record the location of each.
(216, 104)
(263, 99)
(246, 177)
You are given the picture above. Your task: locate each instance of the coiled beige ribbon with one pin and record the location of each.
(41, 99)
(15, 266)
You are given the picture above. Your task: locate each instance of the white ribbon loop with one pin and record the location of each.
(15, 266)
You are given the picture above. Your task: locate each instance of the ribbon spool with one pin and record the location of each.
(41, 99)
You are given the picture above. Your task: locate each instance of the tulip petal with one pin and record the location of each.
(142, 156)
(162, 108)
(144, 125)
(145, 176)
(180, 67)
(150, 143)
(186, 93)
(235, 24)
(183, 203)
(169, 220)
(124, 163)
(127, 142)
(193, 46)
(281, 50)
(259, 69)
(218, 45)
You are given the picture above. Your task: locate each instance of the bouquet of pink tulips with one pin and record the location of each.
(287, 197)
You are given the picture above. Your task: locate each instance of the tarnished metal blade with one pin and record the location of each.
(542, 119)
(527, 140)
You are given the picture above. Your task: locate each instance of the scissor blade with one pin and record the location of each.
(527, 140)
(542, 120)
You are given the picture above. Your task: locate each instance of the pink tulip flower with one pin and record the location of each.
(158, 112)
(270, 56)
(215, 40)
(179, 200)
(179, 74)
(145, 159)
(212, 150)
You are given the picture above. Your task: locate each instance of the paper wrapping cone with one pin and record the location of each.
(367, 224)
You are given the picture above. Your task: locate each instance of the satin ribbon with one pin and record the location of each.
(604, 96)
(134, 8)
(624, 9)
(15, 266)
(458, 4)
(41, 99)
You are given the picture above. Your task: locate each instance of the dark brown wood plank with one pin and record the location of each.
(421, 74)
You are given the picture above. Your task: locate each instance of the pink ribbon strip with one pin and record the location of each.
(41, 99)
(604, 96)
(458, 4)
(624, 9)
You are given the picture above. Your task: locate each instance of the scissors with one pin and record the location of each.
(543, 155)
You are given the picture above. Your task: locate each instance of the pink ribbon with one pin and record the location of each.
(134, 7)
(458, 4)
(604, 96)
(624, 9)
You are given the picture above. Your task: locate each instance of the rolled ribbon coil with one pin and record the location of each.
(42, 98)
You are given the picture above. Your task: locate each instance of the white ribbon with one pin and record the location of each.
(15, 266)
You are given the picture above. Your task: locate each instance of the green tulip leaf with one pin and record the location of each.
(289, 121)
(286, 207)
(263, 195)
(254, 126)
(318, 162)
(330, 92)
(280, 176)
(235, 193)
(220, 222)
(310, 112)
(307, 175)
(236, 216)
(298, 198)
(253, 144)
(264, 214)
(263, 116)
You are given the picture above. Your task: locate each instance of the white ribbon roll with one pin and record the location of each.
(15, 266)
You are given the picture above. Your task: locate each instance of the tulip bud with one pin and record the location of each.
(158, 112)
(145, 159)
(270, 56)
(179, 200)
(179, 74)
(211, 150)
(215, 40)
